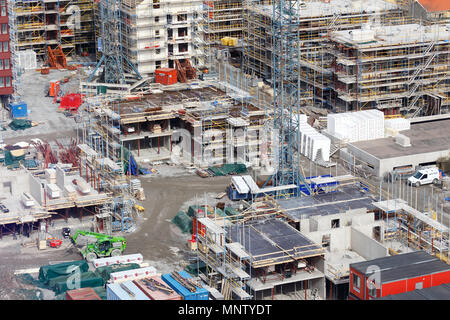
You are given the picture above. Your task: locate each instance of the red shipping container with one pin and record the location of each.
(398, 274)
(156, 294)
(82, 294)
(166, 76)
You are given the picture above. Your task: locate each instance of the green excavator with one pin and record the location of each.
(97, 245)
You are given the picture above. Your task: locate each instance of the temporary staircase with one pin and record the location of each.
(415, 82)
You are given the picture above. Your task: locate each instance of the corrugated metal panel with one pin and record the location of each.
(251, 183)
(240, 184)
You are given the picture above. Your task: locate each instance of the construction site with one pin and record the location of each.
(225, 150)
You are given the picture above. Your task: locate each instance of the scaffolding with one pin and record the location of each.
(240, 265)
(15, 64)
(156, 33)
(40, 24)
(316, 20)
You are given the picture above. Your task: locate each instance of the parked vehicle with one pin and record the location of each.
(66, 232)
(94, 245)
(425, 176)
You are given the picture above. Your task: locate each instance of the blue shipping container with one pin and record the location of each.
(18, 110)
(200, 294)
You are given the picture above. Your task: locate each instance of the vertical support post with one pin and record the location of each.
(306, 289)
(80, 211)
(66, 217)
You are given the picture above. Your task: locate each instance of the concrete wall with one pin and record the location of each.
(36, 189)
(387, 165)
(60, 178)
(339, 238)
(13, 182)
(383, 166)
(365, 246)
(363, 156)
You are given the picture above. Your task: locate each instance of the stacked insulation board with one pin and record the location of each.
(356, 126)
(311, 141)
(398, 124)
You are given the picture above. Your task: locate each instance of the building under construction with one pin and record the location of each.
(316, 20)
(200, 123)
(256, 255)
(66, 23)
(158, 34)
(396, 69)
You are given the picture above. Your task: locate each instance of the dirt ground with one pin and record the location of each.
(160, 242)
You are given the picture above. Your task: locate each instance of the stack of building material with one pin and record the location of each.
(157, 128)
(356, 126)
(311, 141)
(50, 175)
(70, 190)
(53, 191)
(135, 185)
(128, 258)
(134, 274)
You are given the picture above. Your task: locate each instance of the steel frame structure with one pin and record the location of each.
(286, 92)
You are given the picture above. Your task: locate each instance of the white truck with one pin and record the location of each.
(425, 176)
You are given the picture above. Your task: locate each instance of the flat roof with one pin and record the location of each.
(425, 137)
(272, 241)
(441, 292)
(344, 199)
(395, 261)
(168, 100)
(402, 266)
(389, 35)
(435, 5)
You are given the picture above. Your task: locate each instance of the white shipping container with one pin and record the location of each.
(135, 274)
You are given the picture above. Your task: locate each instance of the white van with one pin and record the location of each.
(424, 176)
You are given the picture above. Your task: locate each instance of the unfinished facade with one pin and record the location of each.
(317, 19)
(69, 23)
(157, 33)
(396, 69)
(200, 124)
(260, 258)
